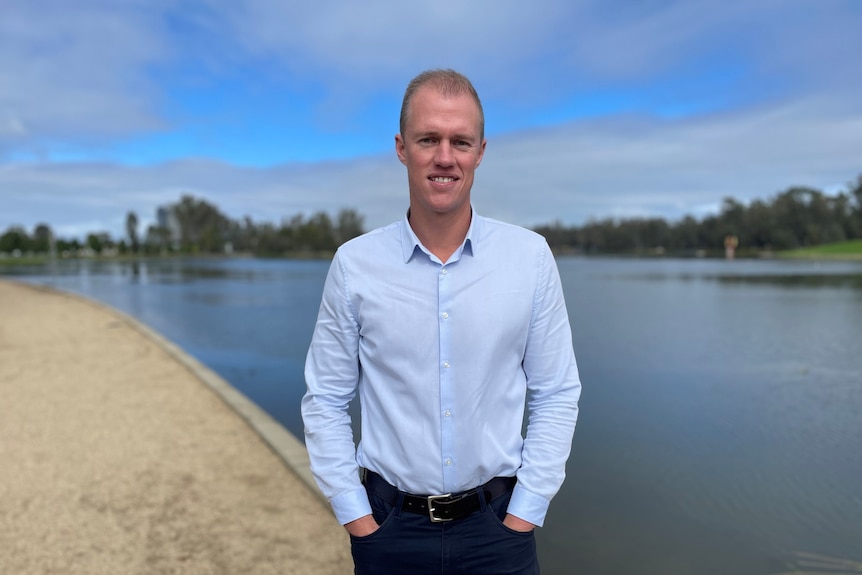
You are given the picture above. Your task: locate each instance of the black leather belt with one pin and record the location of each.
(438, 508)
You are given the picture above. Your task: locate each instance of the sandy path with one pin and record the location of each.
(116, 459)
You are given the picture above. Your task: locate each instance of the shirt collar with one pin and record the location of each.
(410, 243)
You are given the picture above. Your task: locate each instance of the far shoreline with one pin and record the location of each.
(845, 251)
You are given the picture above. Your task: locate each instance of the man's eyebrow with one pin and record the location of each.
(465, 137)
(436, 134)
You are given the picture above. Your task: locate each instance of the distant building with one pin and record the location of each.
(166, 219)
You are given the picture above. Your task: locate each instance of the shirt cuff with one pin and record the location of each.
(351, 506)
(528, 506)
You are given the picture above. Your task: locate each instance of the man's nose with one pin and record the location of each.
(444, 156)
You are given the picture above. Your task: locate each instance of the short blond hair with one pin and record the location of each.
(446, 82)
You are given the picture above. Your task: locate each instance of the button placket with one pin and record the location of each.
(447, 374)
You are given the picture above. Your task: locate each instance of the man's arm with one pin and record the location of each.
(332, 376)
(553, 390)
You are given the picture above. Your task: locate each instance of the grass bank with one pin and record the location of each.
(23, 261)
(849, 250)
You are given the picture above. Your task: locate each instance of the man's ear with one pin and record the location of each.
(400, 149)
(481, 153)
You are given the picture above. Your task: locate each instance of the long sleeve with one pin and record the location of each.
(554, 388)
(332, 376)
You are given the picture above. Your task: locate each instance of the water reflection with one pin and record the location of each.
(814, 564)
(853, 281)
(777, 273)
(806, 281)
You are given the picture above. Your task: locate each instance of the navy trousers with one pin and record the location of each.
(410, 544)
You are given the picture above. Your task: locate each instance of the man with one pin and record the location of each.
(446, 323)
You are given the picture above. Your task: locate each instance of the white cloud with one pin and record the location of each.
(76, 72)
(515, 51)
(638, 166)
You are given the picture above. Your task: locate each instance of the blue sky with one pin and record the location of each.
(594, 108)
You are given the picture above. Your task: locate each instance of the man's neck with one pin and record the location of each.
(442, 234)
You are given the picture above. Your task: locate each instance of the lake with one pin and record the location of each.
(721, 417)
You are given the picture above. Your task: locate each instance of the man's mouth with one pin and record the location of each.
(441, 179)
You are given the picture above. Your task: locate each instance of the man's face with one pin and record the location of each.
(441, 148)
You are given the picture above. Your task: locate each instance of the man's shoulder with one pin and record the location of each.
(496, 230)
(378, 238)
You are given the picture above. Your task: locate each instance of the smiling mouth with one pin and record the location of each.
(441, 179)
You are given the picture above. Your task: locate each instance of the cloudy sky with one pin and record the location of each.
(269, 108)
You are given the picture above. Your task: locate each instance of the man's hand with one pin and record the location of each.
(362, 527)
(518, 524)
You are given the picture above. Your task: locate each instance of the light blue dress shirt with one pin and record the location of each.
(444, 356)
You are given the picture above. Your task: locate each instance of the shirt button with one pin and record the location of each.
(447, 413)
(448, 462)
(445, 315)
(445, 364)
(444, 271)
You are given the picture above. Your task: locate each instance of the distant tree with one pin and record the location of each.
(248, 232)
(42, 238)
(684, 236)
(558, 235)
(94, 242)
(732, 219)
(152, 241)
(270, 241)
(99, 242)
(68, 247)
(649, 233)
(317, 234)
(846, 216)
(238, 235)
(350, 225)
(592, 237)
(15, 238)
(161, 238)
(211, 238)
(759, 226)
(799, 216)
(202, 225)
(855, 191)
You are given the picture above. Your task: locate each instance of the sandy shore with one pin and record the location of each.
(115, 458)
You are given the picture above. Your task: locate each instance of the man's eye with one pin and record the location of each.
(426, 141)
(461, 144)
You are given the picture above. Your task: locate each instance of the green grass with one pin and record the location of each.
(850, 250)
(23, 261)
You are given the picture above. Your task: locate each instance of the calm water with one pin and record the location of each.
(721, 420)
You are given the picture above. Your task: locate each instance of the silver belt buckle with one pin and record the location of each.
(431, 499)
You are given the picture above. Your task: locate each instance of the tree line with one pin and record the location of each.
(797, 217)
(194, 226)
